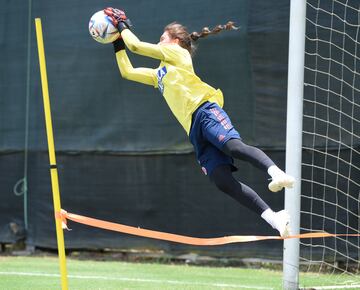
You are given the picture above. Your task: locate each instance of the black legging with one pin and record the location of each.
(239, 150)
(224, 180)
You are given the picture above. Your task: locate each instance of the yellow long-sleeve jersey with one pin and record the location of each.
(182, 89)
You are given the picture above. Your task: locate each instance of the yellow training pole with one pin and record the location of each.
(51, 147)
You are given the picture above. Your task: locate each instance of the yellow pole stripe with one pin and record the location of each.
(51, 148)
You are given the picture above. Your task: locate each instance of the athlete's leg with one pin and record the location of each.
(224, 180)
(239, 150)
(217, 129)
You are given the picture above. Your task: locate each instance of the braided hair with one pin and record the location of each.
(186, 39)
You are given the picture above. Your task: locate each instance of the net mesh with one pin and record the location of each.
(331, 136)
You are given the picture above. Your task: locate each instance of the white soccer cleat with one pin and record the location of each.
(282, 223)
(281, 181)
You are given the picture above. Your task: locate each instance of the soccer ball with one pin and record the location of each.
(101, 28)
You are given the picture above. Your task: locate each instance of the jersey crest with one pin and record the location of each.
(160, 74)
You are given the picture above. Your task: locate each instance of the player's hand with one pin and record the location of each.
(116, 15)
(118, 18)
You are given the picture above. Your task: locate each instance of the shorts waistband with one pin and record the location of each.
(198, 108)
(196, 111)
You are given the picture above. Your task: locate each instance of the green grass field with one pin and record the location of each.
(38, 273)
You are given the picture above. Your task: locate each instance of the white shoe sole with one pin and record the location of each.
(279, 183)
(287, 232)
(283, 223)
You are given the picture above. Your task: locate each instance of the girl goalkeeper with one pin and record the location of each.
(198, 108)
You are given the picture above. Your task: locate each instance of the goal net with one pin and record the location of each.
(331, 136)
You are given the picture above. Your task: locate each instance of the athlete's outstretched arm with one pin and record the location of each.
(139, 47)
(119, 20)
(140, 74)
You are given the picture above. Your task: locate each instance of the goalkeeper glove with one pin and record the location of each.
(118, 18)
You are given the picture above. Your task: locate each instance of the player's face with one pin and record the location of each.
(166, 39)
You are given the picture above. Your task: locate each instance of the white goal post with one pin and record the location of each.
(294, 138)
(323, 140)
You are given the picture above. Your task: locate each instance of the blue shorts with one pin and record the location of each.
(211, 128)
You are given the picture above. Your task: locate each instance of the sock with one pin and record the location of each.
(274, 171)
(269, 216)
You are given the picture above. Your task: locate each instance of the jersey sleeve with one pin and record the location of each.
(168, 53)
(142, 75)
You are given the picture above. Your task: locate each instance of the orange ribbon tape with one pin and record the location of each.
(64, 215)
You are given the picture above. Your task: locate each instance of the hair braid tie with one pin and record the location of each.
(206, 31)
